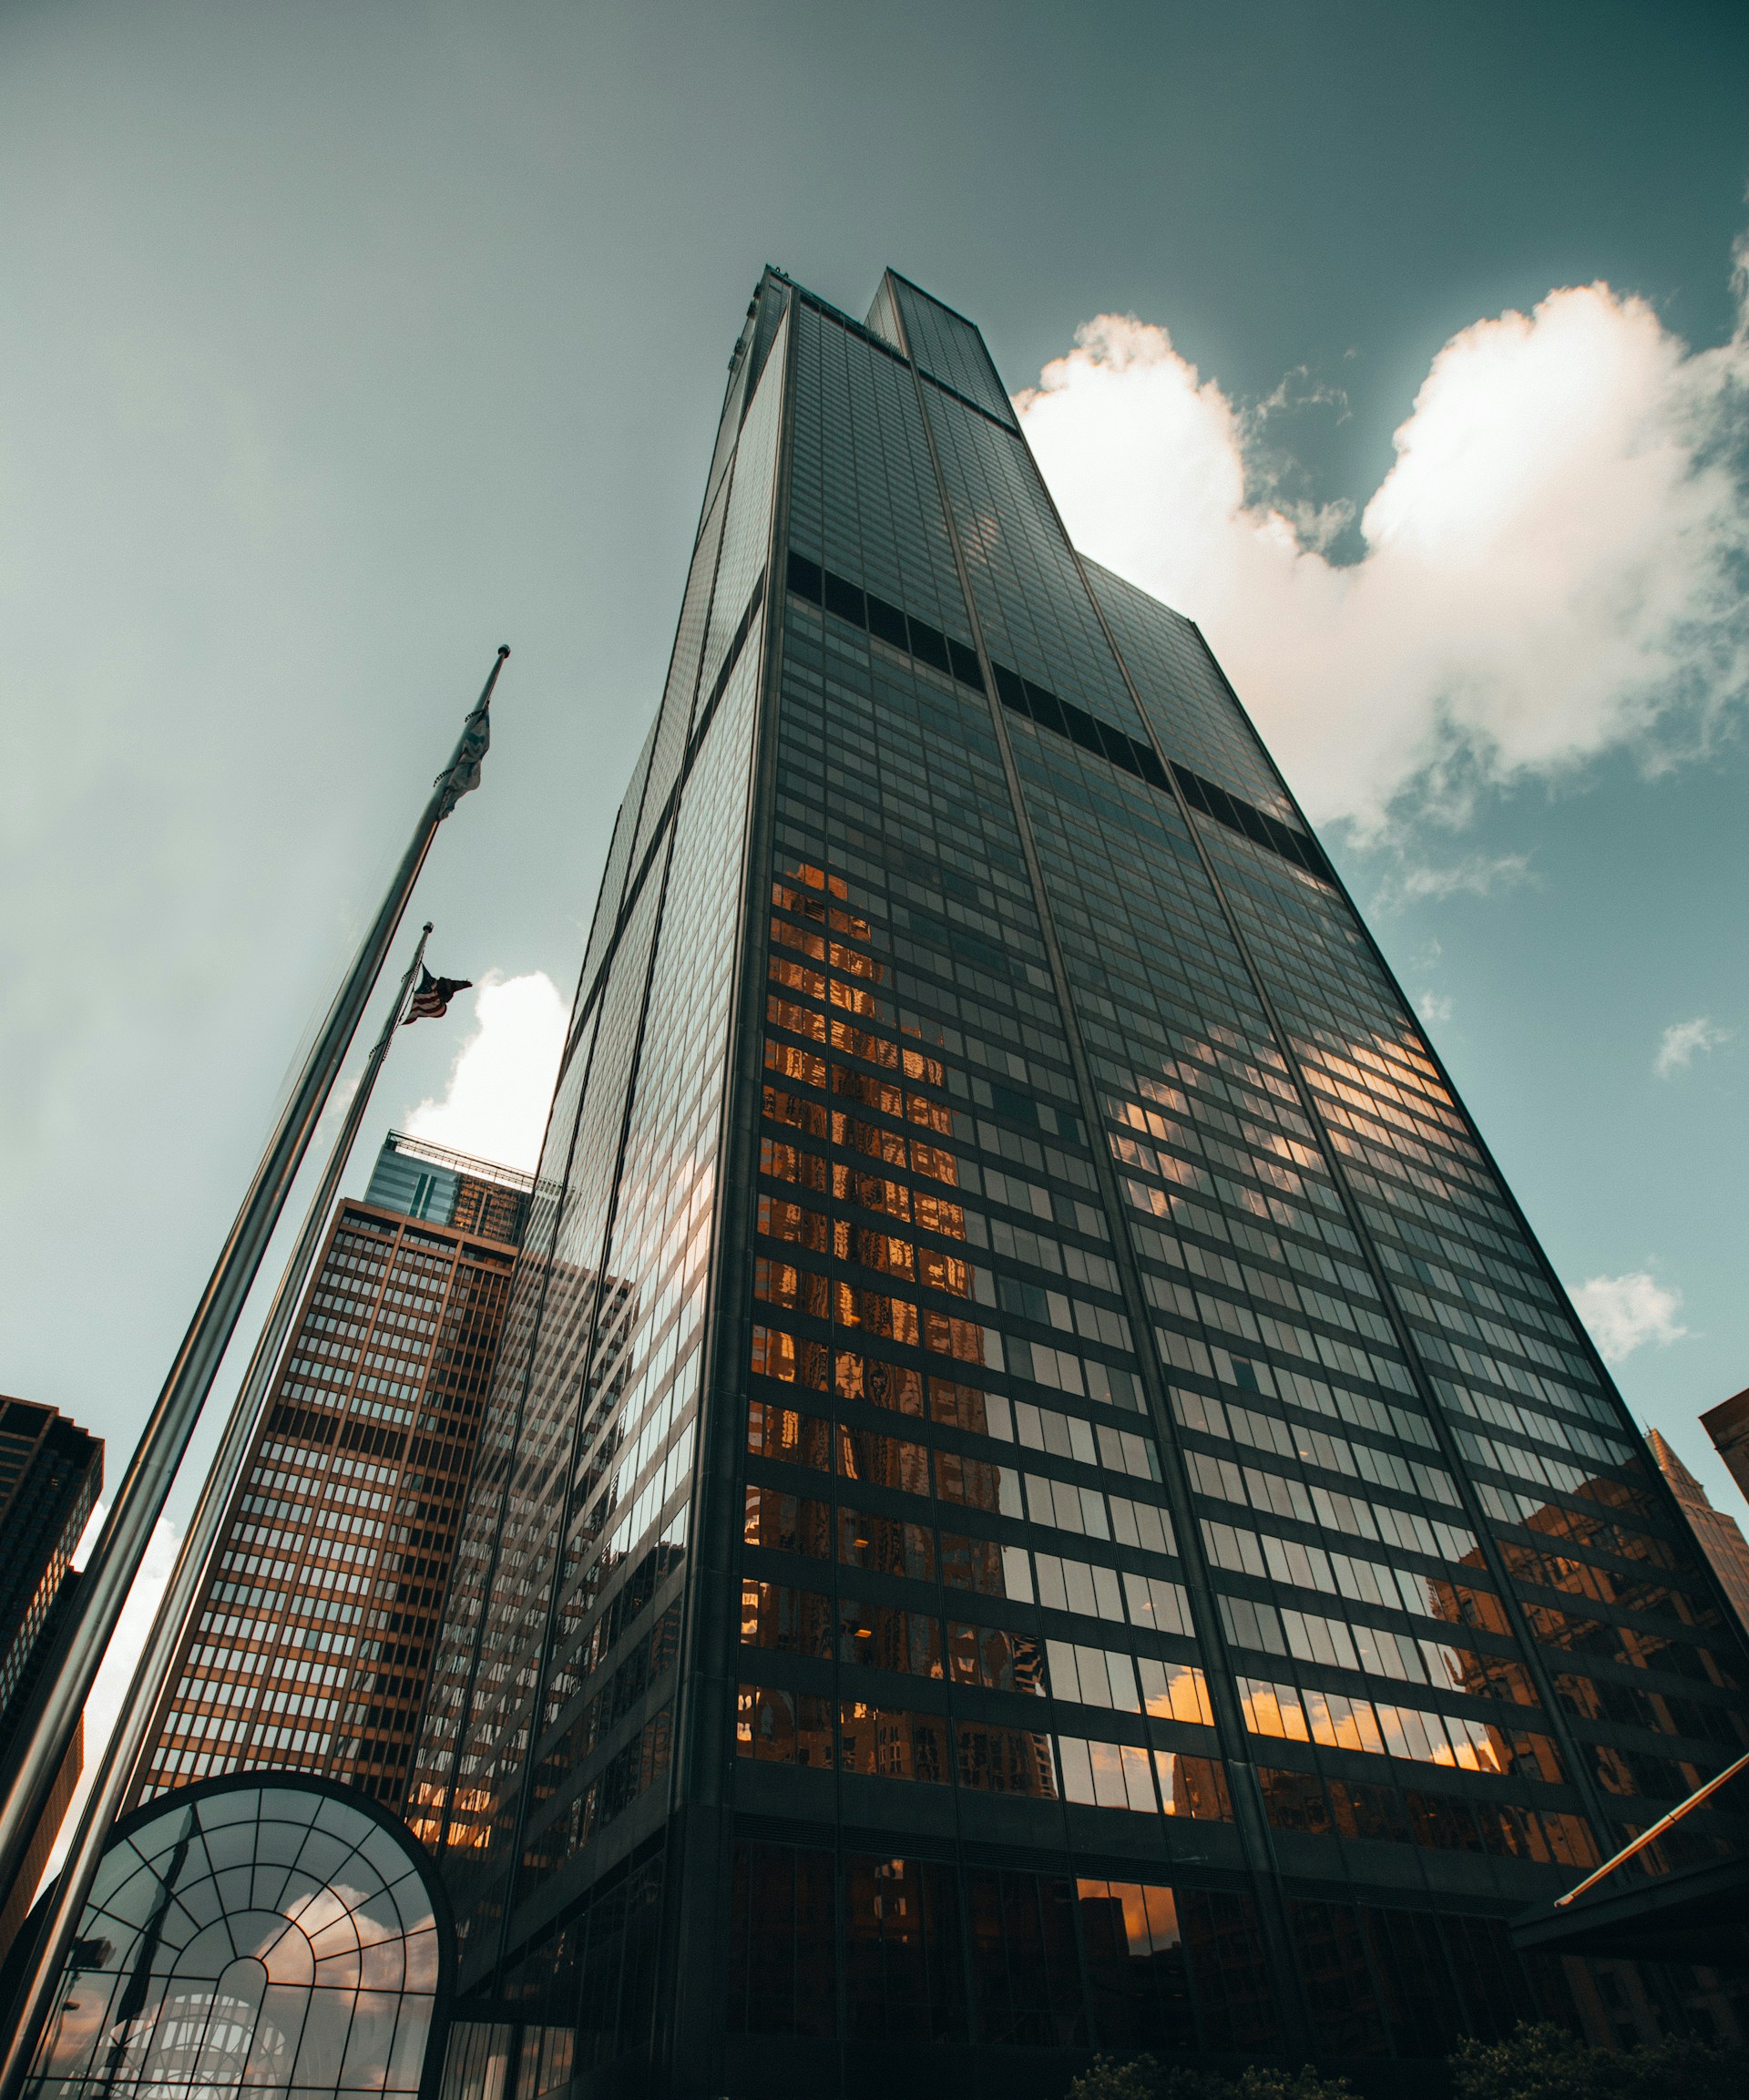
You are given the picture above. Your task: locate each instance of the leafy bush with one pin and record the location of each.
(1112, 2079)
(1539, 2063)
(1546, 2063)
(1143, 2078)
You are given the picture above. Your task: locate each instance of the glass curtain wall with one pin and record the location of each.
(1158, 1563)
(578, 1523)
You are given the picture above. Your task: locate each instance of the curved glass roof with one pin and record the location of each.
(261, 1936)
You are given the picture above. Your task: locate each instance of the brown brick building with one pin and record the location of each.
(1719, 1536)
(311, 1646)
(1728, 1426)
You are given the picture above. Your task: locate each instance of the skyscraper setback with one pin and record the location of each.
(1039, 1493)
(310, 1649)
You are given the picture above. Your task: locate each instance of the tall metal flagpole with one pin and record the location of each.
(115, 1773)
(140, 1501)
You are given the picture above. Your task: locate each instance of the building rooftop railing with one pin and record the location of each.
(461, 1162)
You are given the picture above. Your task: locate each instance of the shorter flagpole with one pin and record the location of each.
(139, 1708)
(115, 1561)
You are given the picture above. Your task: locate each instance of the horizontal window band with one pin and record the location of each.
(850, 602)
(884, 621)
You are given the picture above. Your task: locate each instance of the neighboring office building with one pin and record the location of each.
(1044, 1495)
(1728, 1426)
(16, 1907)
(448, 1188)
(51, 1473)
(1720, 1540)
(310, 1647)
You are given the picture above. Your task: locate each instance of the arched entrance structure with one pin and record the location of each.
(254, 1936)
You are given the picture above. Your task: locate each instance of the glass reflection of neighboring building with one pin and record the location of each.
(1039, 1493)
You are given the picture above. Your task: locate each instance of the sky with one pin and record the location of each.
(1401, 348)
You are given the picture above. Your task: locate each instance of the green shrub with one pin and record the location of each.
(1546, 2063)
(1143, 2078)
(1255, 2083)
(1539, 2063)
(1112, 2078)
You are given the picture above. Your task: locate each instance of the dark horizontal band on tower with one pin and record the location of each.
(886, 622)
(850, 602)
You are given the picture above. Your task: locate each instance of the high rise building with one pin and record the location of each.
(1039, 1493)
(1719, 1536)
(23, 1892)
(51, 1473)
(312, 1644)
(1728, 1426)
(426, 1180)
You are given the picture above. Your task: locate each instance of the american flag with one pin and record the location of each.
(430, 1001)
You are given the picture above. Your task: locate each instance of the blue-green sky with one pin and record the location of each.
(338, 345)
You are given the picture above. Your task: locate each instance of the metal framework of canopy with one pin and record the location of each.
(258, 1935)
(1696, 1913)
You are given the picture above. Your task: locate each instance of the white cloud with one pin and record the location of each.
(1435, 1008)
(104, 1706)
(1476, 875)
(1547, 572)
(1681, 1040)
(1623, 1312)
(501, 1084)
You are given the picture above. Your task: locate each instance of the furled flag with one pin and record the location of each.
(462, 776)
(430, 1001)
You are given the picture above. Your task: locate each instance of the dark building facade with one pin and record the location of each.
(51, 1473)
(1728, 1426)
(312, 1645)
(1039, 1493)
(1719, 1537)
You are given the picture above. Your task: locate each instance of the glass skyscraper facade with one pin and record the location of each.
(1038, 1492)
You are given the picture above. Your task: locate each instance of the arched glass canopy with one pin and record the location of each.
(250, 1936)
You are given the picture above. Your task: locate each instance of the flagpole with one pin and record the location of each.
(140, 1501)
(121, 1756)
